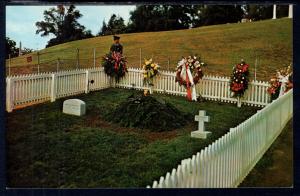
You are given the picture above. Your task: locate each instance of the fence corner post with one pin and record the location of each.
(9, 101)
(53, 89)
(86, 81)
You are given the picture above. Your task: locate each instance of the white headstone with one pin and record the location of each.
(201, 118)
(74, 107)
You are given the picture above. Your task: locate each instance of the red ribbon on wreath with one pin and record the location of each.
(188, 88)
(117, 59)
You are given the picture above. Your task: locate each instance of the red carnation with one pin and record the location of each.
(245, 68)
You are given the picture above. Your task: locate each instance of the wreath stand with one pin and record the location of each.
(239, 102)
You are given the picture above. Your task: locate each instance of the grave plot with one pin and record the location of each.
(47, 148)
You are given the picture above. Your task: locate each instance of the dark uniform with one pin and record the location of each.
(116, 48)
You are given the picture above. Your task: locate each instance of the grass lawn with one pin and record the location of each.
(275, 168)
(220, 46)
(46, 148)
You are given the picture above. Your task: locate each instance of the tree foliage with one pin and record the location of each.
(10, 47)
(218, 14)
(262, 12)
(161, 17)
(115, 25)
(172, 17)
(62, 22)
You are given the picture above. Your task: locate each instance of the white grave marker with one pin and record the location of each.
(74, 107)
(201, 118)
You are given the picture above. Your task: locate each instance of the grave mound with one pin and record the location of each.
(146, 112)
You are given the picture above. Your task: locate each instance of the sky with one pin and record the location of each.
(20, 21)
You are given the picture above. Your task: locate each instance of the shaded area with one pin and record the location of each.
(275, 168)
(46, 148)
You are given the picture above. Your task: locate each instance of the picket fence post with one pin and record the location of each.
(53, 89)
(87, 81)
(9, 101)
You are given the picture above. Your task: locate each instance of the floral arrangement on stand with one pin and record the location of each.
(188, 74)
(239, 79)
(150, 70)
(281, 83)
(114, 65)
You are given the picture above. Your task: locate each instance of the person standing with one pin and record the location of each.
(116, 46)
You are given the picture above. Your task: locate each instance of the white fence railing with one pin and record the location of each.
(210, 87)
(36, 88)
(227, 161)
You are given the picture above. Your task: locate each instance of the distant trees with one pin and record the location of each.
(161, 17)
(172, 17)
(62, 22)
(218, 14)
(115, 25)
(12, 49)
(262, 12)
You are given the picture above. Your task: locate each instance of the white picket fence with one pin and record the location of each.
(35, 88)
(210, 87)
(30, 89)
(227, 161)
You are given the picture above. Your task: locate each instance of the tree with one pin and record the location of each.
(104, 29)
(262, 12)
(219, 14)
(26, 50)
(62, 22)
(11, 49)
(259, 12)
(172, 17)
(161, 17)
(115, 25)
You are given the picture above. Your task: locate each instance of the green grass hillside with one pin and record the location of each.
(220, 46)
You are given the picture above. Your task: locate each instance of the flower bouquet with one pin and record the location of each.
(274, 88)
(281, 83)
(150, 71)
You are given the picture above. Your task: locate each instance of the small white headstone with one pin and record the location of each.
(201, 118)
(74, 107)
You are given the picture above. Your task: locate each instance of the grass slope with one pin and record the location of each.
(221, 46)
(46, 148)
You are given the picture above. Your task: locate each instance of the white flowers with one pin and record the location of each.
(191, 61)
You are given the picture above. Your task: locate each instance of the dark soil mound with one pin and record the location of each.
(147, 112)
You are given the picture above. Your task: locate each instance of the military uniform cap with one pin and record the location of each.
(116, 37)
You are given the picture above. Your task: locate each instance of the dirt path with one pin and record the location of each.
(275, 169)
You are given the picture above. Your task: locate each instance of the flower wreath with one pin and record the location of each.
(283, 81)
(114, 65)
(194, 66)
(150, 71)
(239, 79)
